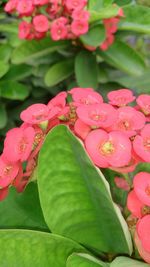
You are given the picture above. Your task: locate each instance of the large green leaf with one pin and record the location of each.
(30, 50)
(137, 18)
(5, 52)
(13, 90)
(122, 56)
(75, 197)
(127, 262)
(4, 67)
(95, 36)
(22, 210)
(84, 260)
(24, 248)
(86, 69)
(59, 72)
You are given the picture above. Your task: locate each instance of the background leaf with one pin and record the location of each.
(73, 192)
(95, 36)
(127, 262)
(84, 260)
(13, 90)
(86, 69)
(122, 56)
(59, 72)
(3, 116)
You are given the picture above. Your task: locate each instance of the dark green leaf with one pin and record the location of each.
(4, 67)
(75, 197)
(3, 116)
(23, 210)
(18, 72)
(86, 69)
(95, 36)
(5, 52)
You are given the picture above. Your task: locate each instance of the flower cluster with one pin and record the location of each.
(138, 203)
(115, 134)
(64, 19)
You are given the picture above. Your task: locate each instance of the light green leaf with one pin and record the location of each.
(59, 72)
(127, 262)
(137, 18)
(125, 58)
(103, 13)
(95, 36)
(75, 197)
(13, 90)
(34, 49)
(98, 4)
(23, 210)
(4, 67)
(3, 116)
(84, 260)
(86, 69)
(24, 248)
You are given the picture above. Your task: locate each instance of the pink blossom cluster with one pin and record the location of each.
(138, 202)
(64, 19)
(114, 134)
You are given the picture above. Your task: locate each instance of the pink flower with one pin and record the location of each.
(75, 4)
(79, 27)
(25, 7)
(58, 30)
(80, 14)
(41, 23)
(141, 144)
(24, 29)
(11, 6)
(37, 113)
(143, 253)
(134, 205)
(99, 115)
(81, 129)
(120, 97)
(85, 96)
(143, 102)
(141, 184)
(113, 149)
(18, 144)
(4, 193)
(59, 100)
(129, 121)
(121, 183)
(8, 172)
(40, 2)
(143, 231)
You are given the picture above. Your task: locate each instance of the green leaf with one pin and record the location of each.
(127, 262)
(137, 18)
(24, 248)
(23, 210)
(98, 4)
(31, 50)
(4, 67)
(122, 2)
(3, 116)
(103, 13)
(13, 90)
(18, 72)
(75, 197)
(86, 69)
(9, 28)
(5, 52)
(59, 72)
(125, 58)
(140, 84)
(84, 260)
(95, 36)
